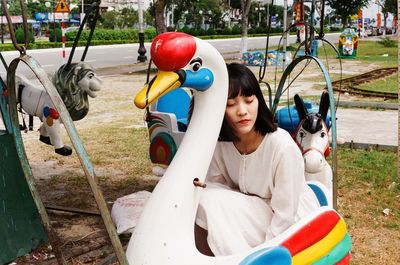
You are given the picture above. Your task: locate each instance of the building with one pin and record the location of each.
(108, 5)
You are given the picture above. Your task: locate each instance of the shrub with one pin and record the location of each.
(211, 31)
(19, 35)
(201, 32)
(186, 29)
(252, 31)
(150, 34)
(226, 31)
(55, 35)
(236, 30)
(387, 42)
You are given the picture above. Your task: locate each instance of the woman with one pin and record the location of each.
(256, 185)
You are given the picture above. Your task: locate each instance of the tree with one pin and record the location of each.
(387, 6)
(245, 7)
(346, 8)
(390, 6)
(159, 16)
(109, 19)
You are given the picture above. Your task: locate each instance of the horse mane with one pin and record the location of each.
(75, 99)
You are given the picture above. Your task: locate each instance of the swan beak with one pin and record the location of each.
(160, 85)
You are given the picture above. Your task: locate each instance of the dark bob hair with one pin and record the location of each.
(242, 82)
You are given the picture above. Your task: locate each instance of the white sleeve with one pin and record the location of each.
(216, 174)
(287, 187)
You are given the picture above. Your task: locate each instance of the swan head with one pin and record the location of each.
(180, 63)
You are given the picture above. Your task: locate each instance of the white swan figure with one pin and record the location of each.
(165, 232)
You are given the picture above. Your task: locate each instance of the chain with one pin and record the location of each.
(21, 49)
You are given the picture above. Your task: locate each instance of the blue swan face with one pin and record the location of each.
(200, 80)
(177, 57)
(192, 76)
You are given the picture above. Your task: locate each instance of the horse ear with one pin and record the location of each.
(301, 109)
(324, 105)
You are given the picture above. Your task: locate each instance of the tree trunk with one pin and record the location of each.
(385, 16)
(245, 5)
(160, 20)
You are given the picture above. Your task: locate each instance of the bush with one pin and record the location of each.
(236, 30)
(387, 42)
(150, 34)
(106, 35)
(261, 30)
(211, 31)
(251, 31)
(55, 34)
(226, 31)
(201, 32)
(19, 35)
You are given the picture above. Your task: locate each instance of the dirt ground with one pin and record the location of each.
(61, 181)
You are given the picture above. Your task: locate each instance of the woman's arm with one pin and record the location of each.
(288, 186)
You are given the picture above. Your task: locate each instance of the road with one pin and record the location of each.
(125, 54)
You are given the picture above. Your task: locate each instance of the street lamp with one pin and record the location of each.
(259, 8)
(142, 50)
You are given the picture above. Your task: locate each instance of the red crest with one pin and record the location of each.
(172, 50)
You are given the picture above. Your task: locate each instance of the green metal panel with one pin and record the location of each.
(21, 228)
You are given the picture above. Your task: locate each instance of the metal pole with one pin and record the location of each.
(54, 21)
(142, 50)
(285, 5)
(82, 11)
(229, 13)
(2, 32)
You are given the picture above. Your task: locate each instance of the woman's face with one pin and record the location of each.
(241, 113)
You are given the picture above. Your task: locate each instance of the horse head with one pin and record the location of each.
(311, 134)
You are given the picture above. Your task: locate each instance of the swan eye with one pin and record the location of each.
(196, 64)
(196, 67)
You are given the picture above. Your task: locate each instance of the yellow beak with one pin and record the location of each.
(160, 85)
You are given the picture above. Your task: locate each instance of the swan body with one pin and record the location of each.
(165, 232)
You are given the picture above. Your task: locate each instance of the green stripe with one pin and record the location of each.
(337, 253)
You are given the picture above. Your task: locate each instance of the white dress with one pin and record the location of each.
(253, 198)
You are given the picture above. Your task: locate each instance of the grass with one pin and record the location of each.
(368, 52)
(368, 184)
(388, 84)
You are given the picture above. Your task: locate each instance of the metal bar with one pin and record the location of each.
(12, 102)
(71, 210)
(79, 149)
(96, 17)
(278, 94)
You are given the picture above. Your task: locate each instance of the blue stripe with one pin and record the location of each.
(278, 255)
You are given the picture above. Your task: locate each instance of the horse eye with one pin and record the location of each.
(301, 134)
(323, 134)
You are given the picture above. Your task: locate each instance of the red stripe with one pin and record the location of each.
(345, 260)
(312, 232)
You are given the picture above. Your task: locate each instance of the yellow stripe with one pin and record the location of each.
(322, 247)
